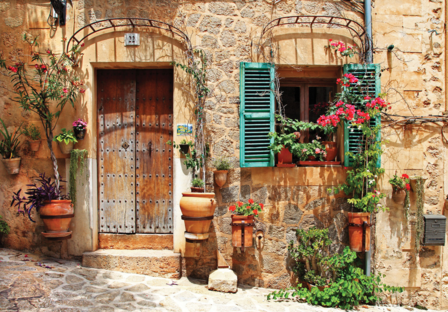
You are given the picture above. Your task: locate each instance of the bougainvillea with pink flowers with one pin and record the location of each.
(79, 124)
(342, 48)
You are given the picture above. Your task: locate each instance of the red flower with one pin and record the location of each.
(82, 91)
(232, 208)
(48, 52)
(82, 44)
(405, 176)
(239, 204)
(64, 90)
(255, 211)
(13, 69)
(262, 206)
(408, 187)
(373, 196)
(251, 201)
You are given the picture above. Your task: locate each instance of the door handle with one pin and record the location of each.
(150, 148)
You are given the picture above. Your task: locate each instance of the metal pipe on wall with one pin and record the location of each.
(369, 60)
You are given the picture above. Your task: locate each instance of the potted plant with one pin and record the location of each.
(45, 90)
(314, 151)
(243, 222)
(34, 137)
(9, 148)
(222, 166)
(400, 188)
(55, 209)
(79, 127)
(197, 185)
(66, 139)
(4, 230)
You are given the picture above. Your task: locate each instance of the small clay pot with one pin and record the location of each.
(285, 156)
(332, 152)
(398, 195)
(355, 233)
(66, 148)
(34, 145)
(79, 134)
(221, 177)
(12, 165)
(197, 189)
(184, 148)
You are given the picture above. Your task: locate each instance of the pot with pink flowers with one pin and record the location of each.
(79, 127)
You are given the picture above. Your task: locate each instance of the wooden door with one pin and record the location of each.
(135, 113)
(154, 167)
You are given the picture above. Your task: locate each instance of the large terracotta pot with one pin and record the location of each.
(12, 165)
(398, 195)
(197, 212)
(285, 156)
(221, 177)
(56, 215)
(66, 148)
(237, 231)
(34, 145)
(355, 231)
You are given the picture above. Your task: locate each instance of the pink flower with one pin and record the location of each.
(82, 44)
(13, 69)
(304, 150)
(65, 90)
(317, 150)
(82, 91)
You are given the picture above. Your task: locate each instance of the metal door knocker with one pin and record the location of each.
(125, 145)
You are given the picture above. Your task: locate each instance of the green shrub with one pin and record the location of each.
(222, 163)
(4, 227)
(32, 132)
(66, 137)
(197, 182)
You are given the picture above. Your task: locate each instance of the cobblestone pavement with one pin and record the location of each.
(32, 283)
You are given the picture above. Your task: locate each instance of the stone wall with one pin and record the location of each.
(413, 76)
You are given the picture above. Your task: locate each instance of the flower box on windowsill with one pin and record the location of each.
(316, 163)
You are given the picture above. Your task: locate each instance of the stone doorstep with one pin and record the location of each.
(157, 263)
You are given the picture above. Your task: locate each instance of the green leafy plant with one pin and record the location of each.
(304, 151)
(10, 142)
(4, 227)
(32, 132)
(250, 209)
(65, 136)
(194, 160)
(222, 163)
(77, 160)
(348, 286)
(400, 182)
(51, 81)
(197, 182)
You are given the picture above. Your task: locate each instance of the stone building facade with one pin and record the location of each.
(413, 75)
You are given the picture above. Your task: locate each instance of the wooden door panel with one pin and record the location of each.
(154, 126)
(116, 135)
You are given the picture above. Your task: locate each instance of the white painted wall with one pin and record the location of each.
(181, 183)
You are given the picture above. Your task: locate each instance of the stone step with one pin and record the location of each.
(158, 263)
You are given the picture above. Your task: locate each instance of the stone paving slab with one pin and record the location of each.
(32, 283)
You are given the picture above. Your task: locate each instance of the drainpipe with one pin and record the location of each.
(369, 60)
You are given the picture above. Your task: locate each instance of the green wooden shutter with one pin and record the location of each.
(257, 109)
(369, 74)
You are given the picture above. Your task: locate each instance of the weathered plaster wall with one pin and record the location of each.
(229, 33)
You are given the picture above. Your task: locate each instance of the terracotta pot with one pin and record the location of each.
(221, 177)
(12, 165)
(79, 134)
(34, 145)
(329, 144)
(66, 148)
(311, 158)
(356, 232)
(197, 189)
(285, 156)
(413, 182)
(197, 212)
(56, 215)
(332, 152)
(237, 238)
(310, 286)
(398, 195)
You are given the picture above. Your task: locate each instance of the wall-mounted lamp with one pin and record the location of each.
(60, 10)
(390, 48)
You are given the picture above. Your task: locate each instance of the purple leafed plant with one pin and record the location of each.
(36, 196)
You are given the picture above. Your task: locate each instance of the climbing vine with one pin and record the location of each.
(77, 160)
(419, 204)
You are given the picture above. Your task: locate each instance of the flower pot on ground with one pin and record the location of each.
(66, 139)
(243, 222)
(56, 216)
(79, 128)
(56, 210)
(359, 234)
(9, 149)
(222, 166)
(197, 212)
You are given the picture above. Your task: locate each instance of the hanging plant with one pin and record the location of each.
(419, 204)
(77, 160)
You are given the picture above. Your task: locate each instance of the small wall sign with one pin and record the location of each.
(132, 39)
(184, 129)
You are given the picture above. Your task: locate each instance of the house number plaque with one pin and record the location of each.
(132, 39)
